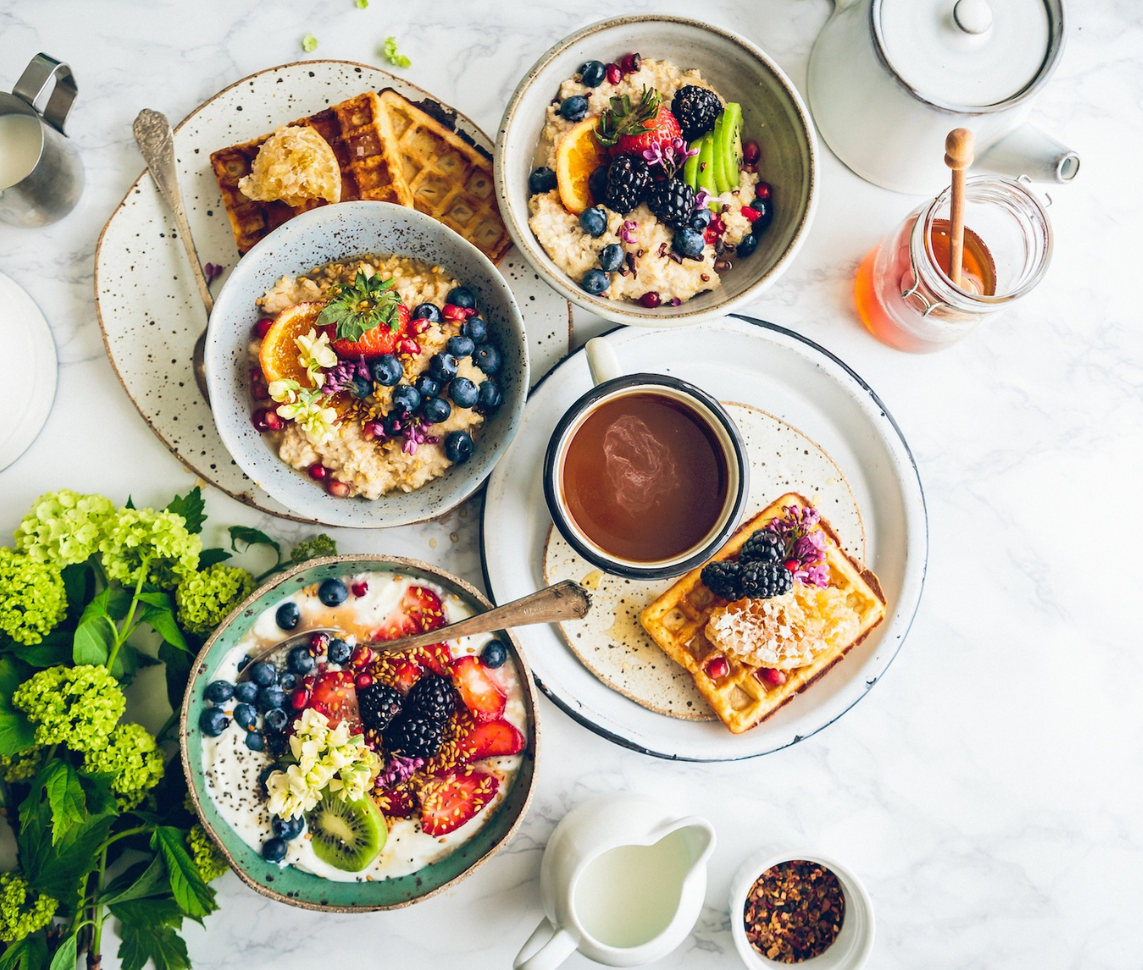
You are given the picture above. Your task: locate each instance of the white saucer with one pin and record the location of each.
(27, 341)
(790, 377)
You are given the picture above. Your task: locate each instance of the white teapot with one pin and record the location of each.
(888, 80)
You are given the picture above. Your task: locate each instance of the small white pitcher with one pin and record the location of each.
(621, 881)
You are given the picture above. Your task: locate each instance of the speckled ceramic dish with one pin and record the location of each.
(773, 114)
(294, 886)
(336, 233)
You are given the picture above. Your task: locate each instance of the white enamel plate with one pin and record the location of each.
(790, 377)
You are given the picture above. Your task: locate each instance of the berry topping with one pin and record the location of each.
(273, 850)
(592, 73)
(475, 329)
(359, 588)
(630, 63)
(299, 660)
(387, 370)
(772, 676)
(611, 257)
(631, 129)
(628, 182)
(335, 697)
(379, 705)
(574, 108)
(746, 245)
(443, 367)
(460, 346)
(458, 446)
(650, 300)
(245, 716)
(219, 691)
(246, 692)
(448, 801)
(487, 358)
(751, 152)
(338, 650)
(673, 201)
(763, 546)
(489, 397)
(541, 180)
(477, 690)
(696, 110)
(717, 668)
(266, 419)
(689, 243)
(494, 654)
(463, 392)
(435, 410)
(614, 73)
(212, 722)
(593, 221)
(406, 399)
(263, 674)
(490, 740)
(763, 581)
(595, 281)
(431, 698)
(462, 297)
(429, 311)
(721, 578)
(333, 592)
(380, 340)
(414, 737)
(427, 386)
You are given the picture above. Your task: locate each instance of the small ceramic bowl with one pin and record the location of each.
(773, 114)
(339, 232)
(854, 943)
(294, 886)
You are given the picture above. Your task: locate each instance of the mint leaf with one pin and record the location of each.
(147, 930)
(208, 557)
(66, 798)
(194, 897)
(65, 955)
(191, 507)
(357, 309)
(16, 731)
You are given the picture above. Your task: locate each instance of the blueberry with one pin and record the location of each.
(462, 297)
(463, 392)
(435, 410)
(287, 828)
(264, 774)
(487, 358)
(212, 722)
(243, 664)
(458, 447)
(765, 210)
(574, 108)
(276, 720)
(219, 691)
(442, 367)
(460, 346)
(494, 654)
(427, 386)
(246, 692)
(300, 660)
(701, 219)
(288, 615)
(362, 387)
(427, 311)
(255, 740)
(264, 674)
(338, 651)
(406, 398)
(595, 281)
(611, 258)
(593, 222)
(597, 183)
(245, 716)
(747, 244)
(475, 328)
(541, 180)
(387, 370)
(274, 850)
(287, 680)
(592, 73)
(689, 243)
(271, 697)
(333, 592)
(489, 398)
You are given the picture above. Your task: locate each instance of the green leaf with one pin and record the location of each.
(313, 548)
(251, 537)
(30, 953)
(177, 673)
(79, 584)
(208, 557)
(195, 898)
(138, 882)
(191, 507)
(147, 930)
(130, 503)
(66, 954)
(53, 650)
(159, 613)
(392, 56)
(16, 731)
(66, 798)
(355, 310)
(93, 640)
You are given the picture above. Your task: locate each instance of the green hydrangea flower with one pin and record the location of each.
(64, 527)
(21, 766)
(208, 859)
(134, 761)
(32, 597)
(158, 542)
(76, 706)
(204, 599)
(22, 910)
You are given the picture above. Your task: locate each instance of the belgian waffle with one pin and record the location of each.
(361, 136)
(449, 179)
(676, 622)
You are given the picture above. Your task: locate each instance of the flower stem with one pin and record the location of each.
(127, 629)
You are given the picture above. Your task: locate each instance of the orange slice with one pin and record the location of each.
(579, 154)
(279, 354)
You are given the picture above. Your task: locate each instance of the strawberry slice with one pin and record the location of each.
(490, 740)
(397, 802)
(335, 696)
(435, 657)
(450, 800)
(480, 693)
(425, 608)
(377, 342)
(662, 129)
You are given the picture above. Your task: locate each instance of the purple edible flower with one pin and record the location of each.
(414, 431)
(805, 544)
(626, 231)
(212, 272)
(340, 377)
(671, 156)
(702, 197)
(398, 769)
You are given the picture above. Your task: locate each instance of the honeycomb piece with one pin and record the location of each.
(294, 165)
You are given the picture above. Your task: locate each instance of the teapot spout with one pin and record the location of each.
(1031, 152)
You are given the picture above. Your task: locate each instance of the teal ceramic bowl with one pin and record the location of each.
(287, 884)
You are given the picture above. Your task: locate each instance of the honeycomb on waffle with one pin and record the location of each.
(358, 131)
(449, 179)
(676, 621)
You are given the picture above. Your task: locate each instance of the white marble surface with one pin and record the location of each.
(989, 789)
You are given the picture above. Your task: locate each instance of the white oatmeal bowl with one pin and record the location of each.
(659, 283)
(350, 457)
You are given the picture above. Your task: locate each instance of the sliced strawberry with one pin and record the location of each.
(377, 342)
(661, 130)
(490, 740)
(397, 802)
(450, 800)
(425, 608)
(405, 675)
(435, 657)
(479, 692)
(335, 696)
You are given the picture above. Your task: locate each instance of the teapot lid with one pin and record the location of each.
(971, 54)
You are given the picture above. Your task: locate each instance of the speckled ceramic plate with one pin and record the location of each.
(611, 642)
(799, 383)
(287, 884)
(148, 306)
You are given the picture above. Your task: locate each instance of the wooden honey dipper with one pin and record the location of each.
(958, 157)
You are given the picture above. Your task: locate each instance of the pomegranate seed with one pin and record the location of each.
(308, 681)
(260, 392)
(420, 325)
(361, 656)
(337, 489)
(630, 63)
(650, 300)
(299, 699)
(359, 589)
(614, 73)
(717, 668)
(319, 642)
(763, 190)
(318, 472)
(362, 680)
(410, 346)
(751, 152)
(750, 215)
(266, 419)
(263, 326)
(256, 376)
(772, 676)
(451, 311)
(751, 167)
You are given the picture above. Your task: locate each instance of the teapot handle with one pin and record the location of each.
(556, 947)
(39, 73)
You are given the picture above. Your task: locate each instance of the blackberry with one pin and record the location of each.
(764, 546)
(722, 579)
(673, 202)
(628, 180)
(431, 698)
(762, 581)
(379, 705)
(696, 110)
(414, 737)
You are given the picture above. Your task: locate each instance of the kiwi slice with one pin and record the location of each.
(346, 835)
(690, 169)
(705, 174)
(728, 145)
(718, 161)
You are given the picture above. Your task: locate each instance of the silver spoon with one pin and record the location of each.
(157, 143)
(563, 601)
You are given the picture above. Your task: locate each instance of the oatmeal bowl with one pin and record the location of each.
(656, 170)
(366, 365)
(335, 774)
